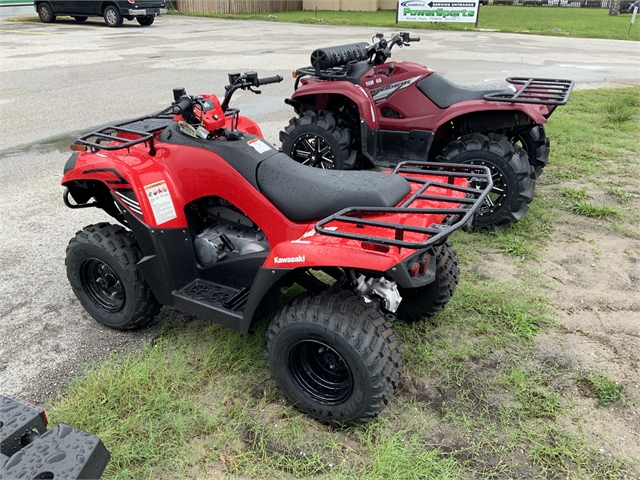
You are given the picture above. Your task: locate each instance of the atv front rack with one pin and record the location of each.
(541, 91)
(449, 193)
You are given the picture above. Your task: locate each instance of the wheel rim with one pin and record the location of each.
(102, 284)
(320, 372)
(498, 194)
(44, 12)
(313, 150)
(111, 17)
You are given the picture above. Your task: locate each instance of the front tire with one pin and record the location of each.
(101, 267)
(427, 301)
(46, 13)
(316, 140)
(146, 21)
(112, 16)
(334, 357)
(513, 178)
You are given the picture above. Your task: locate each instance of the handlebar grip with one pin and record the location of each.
(267, 80)
(181, 105)
(414, 39)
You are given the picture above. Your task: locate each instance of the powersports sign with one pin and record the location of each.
(434, 11)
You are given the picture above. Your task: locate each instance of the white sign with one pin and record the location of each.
(437, 11)
(161, 202)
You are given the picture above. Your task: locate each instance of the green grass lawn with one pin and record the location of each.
(571, 22)
(476, 400)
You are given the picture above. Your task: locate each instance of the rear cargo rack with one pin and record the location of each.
(541, 91)
(106, 138)
(456, 212)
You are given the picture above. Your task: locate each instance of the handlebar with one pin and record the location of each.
(183, 103)
(246, 81)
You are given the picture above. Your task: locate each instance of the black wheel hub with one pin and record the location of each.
(320, 372)
(313, 150)
(102, 284)
(498, 194)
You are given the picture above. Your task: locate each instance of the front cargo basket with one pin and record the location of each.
(444, 199)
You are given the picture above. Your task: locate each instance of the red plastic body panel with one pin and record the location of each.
(398, 90)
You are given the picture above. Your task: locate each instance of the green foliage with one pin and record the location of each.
(589, 209)
(621, 195)
(605, 390)
(536, 399)
(587, 140)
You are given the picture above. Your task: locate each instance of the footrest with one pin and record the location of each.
(217, 296)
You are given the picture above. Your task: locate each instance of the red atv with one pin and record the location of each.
(217, 223)
(355, 110)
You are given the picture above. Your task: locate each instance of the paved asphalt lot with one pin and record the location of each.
(58, 80)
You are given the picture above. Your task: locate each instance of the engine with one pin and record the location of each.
(222, 241)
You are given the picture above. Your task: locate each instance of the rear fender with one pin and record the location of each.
(312, 250)
(320, 92)
(493, 110)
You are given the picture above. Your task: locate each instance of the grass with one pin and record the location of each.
(572, 22)
(477, 397)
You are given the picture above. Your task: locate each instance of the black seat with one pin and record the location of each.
(444, 93)
(304, 193)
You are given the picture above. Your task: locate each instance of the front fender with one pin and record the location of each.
(355, 93)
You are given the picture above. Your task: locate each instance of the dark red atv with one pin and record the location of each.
(354, 110)
(217, 223)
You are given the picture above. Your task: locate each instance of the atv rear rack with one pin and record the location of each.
(541, 91)
(456, 212)
(144, 127)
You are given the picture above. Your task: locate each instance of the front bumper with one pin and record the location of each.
(143, 12)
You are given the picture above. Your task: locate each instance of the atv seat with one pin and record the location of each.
(304, 193)
(444, 93)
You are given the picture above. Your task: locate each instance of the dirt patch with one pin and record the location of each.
(590, 271)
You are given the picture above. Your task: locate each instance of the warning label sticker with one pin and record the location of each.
(258, 145)
(161, 202)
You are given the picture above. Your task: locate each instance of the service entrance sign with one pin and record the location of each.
(437, 11)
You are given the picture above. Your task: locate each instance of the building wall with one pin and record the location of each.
(354, 5)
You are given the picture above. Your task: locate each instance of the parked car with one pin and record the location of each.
(113, 12)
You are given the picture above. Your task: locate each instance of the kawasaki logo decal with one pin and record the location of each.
(298, 259)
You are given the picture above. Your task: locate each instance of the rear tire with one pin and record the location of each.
(427, 301)
(46, 13)
(513, 177)
(315, 139)
(112, 16)
(101, 267)
(146, 21)
(334, 357)
(536, 143)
